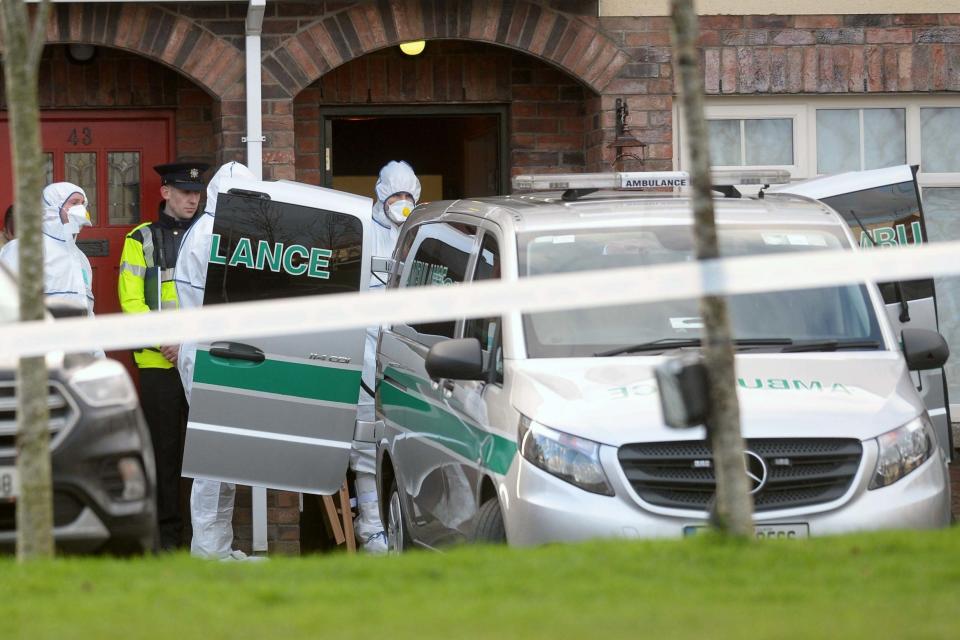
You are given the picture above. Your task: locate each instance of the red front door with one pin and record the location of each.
(110, 154)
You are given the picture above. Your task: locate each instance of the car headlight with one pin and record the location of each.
(903, 450)
(104, 383)
(572, 459)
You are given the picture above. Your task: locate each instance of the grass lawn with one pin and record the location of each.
(887, 585)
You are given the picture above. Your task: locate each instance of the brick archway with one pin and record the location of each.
(566, 42)
(173, 40)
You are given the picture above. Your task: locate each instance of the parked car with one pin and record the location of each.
(540, 427)
(102, 457)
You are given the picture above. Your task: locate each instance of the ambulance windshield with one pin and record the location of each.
(837, 315)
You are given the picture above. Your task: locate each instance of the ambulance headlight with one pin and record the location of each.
(572, 459)
(104, 383)
(903, 450)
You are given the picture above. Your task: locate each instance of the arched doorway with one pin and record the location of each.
(466, 115)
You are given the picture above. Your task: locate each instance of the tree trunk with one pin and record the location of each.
(21, 60)
(733, 509)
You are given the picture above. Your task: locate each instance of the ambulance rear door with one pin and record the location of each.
(280, 412)
(883, 209)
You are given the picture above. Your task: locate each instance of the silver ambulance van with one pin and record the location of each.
(539, 427)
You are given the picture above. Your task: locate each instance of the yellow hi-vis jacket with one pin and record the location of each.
(144, 267)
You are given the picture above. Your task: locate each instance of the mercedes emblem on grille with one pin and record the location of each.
(756, 471)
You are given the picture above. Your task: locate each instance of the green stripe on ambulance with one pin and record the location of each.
(301, 380)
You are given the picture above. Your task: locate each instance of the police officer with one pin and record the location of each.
(146, 283)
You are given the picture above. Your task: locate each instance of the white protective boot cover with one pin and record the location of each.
(367, 526)
(211, 515)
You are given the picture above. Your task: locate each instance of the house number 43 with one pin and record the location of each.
(80, 136)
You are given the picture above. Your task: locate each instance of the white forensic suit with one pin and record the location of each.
(66, 270)
(395, 177)
(211, 501)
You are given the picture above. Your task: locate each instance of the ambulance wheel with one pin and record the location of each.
(490, 528)
(398, 538)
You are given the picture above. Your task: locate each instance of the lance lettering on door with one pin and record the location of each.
(294, 259)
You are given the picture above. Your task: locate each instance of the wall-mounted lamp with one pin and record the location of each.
(413, 48)
(81, 53)
(636, 150)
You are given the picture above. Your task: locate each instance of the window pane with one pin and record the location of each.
(941, 207)
(123, 183)
(884, 138)
(81, 170)
(47, 168)
(486, 330)
(488, 268)
(769, 141)
(724, 142)
(268, 249)
(838, 140)
(440, 259)
(940, 139)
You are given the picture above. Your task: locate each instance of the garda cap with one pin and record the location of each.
(183, 175)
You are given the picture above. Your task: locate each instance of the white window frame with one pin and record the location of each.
(862, 137)
(803, 111)
(716, 111)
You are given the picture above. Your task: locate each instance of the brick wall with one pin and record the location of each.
(113, 79)
(646, 83)
(283, 522)
(831, 54)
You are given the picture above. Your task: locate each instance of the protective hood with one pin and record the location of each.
(615, 400)
(395, 176)
(54, 197)
(229, 170)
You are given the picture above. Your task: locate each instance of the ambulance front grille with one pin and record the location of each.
(796, 472)
(62, 415)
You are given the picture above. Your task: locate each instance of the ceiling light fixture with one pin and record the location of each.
(81, 53)
(413, 48)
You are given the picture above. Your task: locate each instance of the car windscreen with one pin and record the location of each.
(843, 313)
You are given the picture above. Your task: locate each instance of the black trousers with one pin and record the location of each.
(165, 408)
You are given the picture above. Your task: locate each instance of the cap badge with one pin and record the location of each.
(194, 173)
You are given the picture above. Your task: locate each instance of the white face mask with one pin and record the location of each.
(70, 231)
(399, 211)
(77, 214)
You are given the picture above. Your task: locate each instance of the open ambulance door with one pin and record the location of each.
(280, 412)
(883, 209)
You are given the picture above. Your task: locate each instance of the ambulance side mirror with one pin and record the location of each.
(460, 359)
(924, 349)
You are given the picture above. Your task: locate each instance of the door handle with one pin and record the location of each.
(237, 351)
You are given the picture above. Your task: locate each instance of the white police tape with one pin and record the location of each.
(495, 297)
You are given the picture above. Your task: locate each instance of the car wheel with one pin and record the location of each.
(490, 529)
(398, 538)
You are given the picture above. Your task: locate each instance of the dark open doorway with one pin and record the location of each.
(457, 152)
